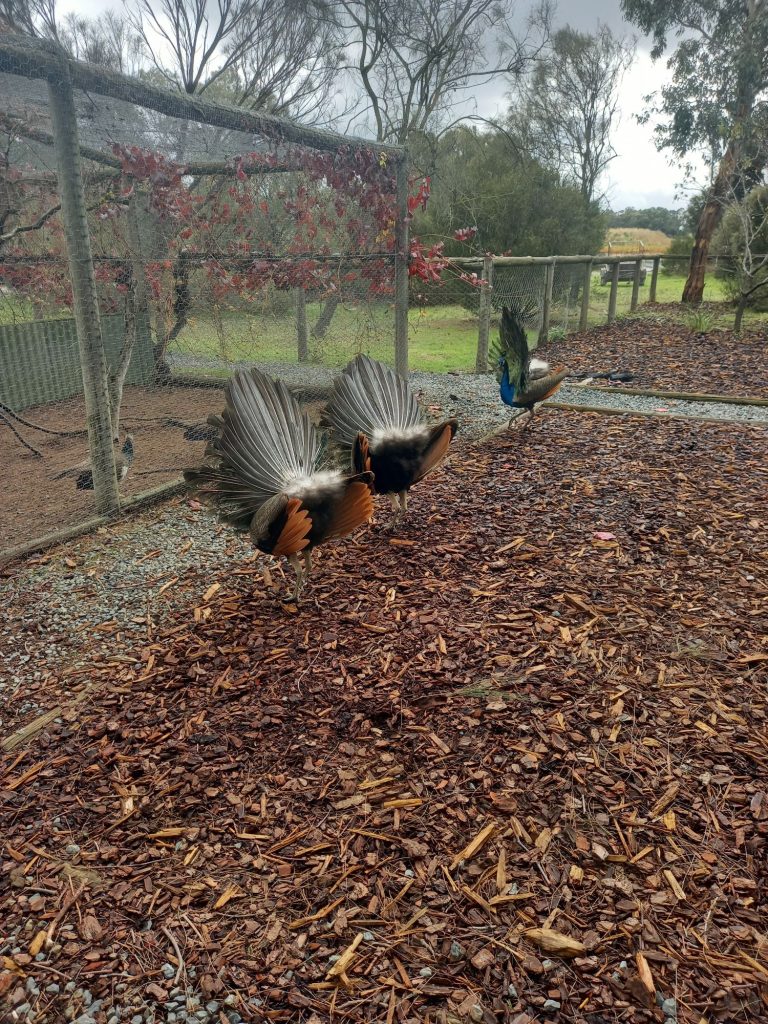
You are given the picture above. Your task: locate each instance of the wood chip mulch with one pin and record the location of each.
(509, 764)
(665, 355)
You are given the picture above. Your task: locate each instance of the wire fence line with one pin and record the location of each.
(560, 294)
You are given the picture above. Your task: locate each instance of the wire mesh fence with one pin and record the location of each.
(149, 244)
(452, 321)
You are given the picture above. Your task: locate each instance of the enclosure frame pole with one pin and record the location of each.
(401, 269)
(484, 317)
(636, 285)
(614, 293)
(549, 281)
(586, 289)
(654, 278)
(93, 361)
(302, 332)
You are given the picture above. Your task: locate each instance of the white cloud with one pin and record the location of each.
(640, 175)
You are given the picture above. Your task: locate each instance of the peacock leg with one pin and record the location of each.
(404, 500)
(307, 562)
(396, 509)
(296, 563)
(528, 422)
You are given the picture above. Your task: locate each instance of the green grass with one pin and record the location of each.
(442, 338)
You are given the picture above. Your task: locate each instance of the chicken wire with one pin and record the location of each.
(217, 239)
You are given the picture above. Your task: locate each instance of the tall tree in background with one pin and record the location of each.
(412, 58)
(280, 55)
(517, 205)
(565, 109)
(29, 17)
(108, 41)
(716, 101)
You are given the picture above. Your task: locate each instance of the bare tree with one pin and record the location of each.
(567, 106)
(108, 41)
(29, 17)
(413, 59)
(286, 58)
(744, 237)
(275, 54)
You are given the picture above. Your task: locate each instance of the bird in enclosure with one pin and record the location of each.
(374, 414)
(265, 475)
(192, 431)
(82, 473)
(523, 381)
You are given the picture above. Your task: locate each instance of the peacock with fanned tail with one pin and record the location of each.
(374, 414)
(266, 475)
(523, 381)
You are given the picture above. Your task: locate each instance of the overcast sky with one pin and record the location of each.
(640, 176)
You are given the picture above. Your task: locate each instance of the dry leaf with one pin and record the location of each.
(556, 943)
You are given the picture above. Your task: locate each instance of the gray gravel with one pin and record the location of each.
(125, 580)
(474, 398)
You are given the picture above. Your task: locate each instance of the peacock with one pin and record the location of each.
(82, 473)
(523, 381)
(266, 475)
(374, 414)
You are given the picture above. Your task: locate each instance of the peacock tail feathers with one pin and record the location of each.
(266, 446)
(370, 398)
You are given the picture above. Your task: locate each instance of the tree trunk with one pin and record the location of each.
(181, 306)
(118, 375)
(709, 220)
(301, 325)
(742, 305)
(323, 322)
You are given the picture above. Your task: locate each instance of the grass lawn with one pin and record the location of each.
(442, 338)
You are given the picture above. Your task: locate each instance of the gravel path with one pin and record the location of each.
(117, 584)
(474, 398)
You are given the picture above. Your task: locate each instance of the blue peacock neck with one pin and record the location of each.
(506, 389)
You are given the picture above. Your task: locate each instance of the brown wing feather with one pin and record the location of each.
(294, 535)
(542, 388)
(361, 454)
(354, 509)
(437, 448)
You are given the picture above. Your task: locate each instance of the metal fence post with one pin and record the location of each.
(484, 316)
(585, 295)
(654, 278)
(93, 361)
(549, 282)
(614, 293)
(636, 285)
(401, 269)
(302, 333)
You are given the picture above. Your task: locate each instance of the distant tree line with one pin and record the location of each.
(653, 218)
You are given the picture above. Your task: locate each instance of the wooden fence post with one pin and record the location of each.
(549, 282)
(484, 316)
(654, 278)
(401, 269)
(302, 334)
(93, 361)
(585, 295)
(636, 285)
(614, 293)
